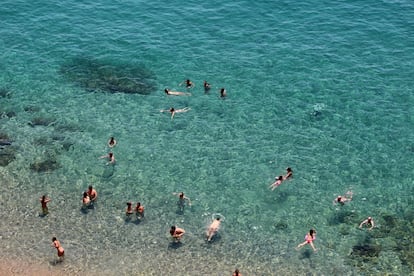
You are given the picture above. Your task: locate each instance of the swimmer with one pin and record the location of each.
(111, 158)
(289, 173)
(309, 238)
(176, 233)
(368, 222)
(86, 201)
(181, 200)
(92, 194)
(176, 93)
(343, 199)
(139, 211)
(207, 87)
(129, 211)
(44, 200)
(111, 142)
(188, 84)
(173, 111)
(277, 183)
(60, 250)
(223, 93)
(237, 272)
(213, 228)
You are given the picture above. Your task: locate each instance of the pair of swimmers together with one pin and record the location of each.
(139, 210)
(89, 197)
(110, 156)
(281, 178)
(177, 233)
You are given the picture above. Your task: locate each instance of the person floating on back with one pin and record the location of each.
(223, 93)
(176, 93)
(207, 87)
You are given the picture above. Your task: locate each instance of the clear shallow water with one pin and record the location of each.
(279, 63)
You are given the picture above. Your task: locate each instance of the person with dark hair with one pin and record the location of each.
(176, 93)
(176, 233)
(213, 228)
(309, 238)
(223, 93)
(86, 201)
(182, 200)
(207, 87)
(278, 181)
(111, 142)
(111, 158)
(343, 199)
(289, 173)
(172, 110)
(60, 250)
(91, 192)
(237, 272)
(368, 222)
(139, 210)
(44, 200)
(128, 210)
(188, 84)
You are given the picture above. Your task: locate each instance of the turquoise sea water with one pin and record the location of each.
(323, 87)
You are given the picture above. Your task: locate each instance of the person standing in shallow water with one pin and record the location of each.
(139, 210)
(44, 200)
(182, 201)
(237, 272)
(59, 248)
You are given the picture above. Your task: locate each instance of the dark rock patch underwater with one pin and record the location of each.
(98, 75)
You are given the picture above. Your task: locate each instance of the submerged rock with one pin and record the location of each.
(45, 166)
(95, 75)
(41, 121)
(5, 92)
(366, 250)
(7, 155)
